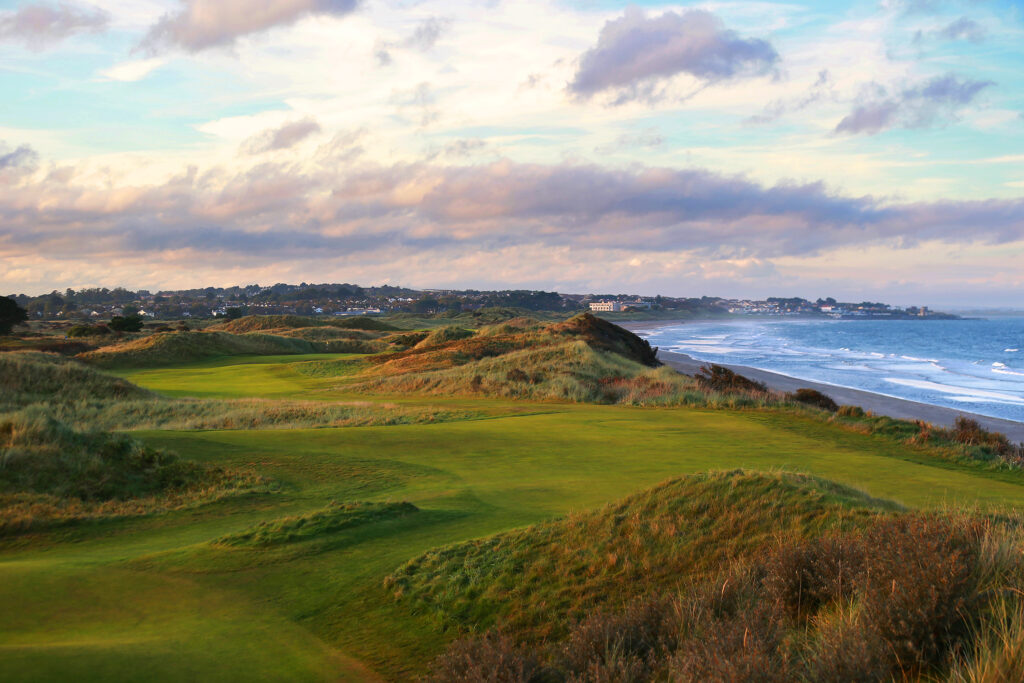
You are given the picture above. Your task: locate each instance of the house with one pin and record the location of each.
(609, 306)
(605, 306)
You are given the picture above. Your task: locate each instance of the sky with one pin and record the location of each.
(861, 150)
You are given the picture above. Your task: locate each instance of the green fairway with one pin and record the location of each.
(236, 376)
(153, 598)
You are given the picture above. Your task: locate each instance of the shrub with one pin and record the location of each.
(851, 411)
(742, 646)
(813, 397)
(804, 575)
(130, 323)
(45, 456)
(968, 431)
(491, 659)
(517, 375)
(846, 650)
(87, 331)
(918, 587)
(718, 378)
(621, 646)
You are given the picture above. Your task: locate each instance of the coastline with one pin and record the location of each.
(880, 404)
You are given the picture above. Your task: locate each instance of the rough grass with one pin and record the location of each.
(188, 414)
(335, 517)
(174, 348)
(444, 334)
(571, 371)
(474, 319)
(582, 359)
(536, 581)
(259, 323)
(329, 333)
(32, 377)
(50, 473)
(879, 597)
(45, 456)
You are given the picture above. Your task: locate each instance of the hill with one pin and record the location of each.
(51, 474)
(732, 576)
(33, 377)
(175, 348)
(536, 581)
(260, 323)
(581, 359)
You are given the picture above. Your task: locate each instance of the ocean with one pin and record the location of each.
(970, 365)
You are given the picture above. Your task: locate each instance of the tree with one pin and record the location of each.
(131, 323)
(233, 313)
(11, 314)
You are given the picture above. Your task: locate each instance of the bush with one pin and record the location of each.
(845, 650)
(88, 331)
(517, 375)
(610, 646)
(851, 411)
(918, 588)
(804, 575)
(813, 397)
(968, 432)
(718, 378)
(42, 455)
(494, 658)
(130, 323)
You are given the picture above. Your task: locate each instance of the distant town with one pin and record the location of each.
(348, 299)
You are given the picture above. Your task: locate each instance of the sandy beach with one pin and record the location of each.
(876, 403)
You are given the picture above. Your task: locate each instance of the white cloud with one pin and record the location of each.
(132, 71)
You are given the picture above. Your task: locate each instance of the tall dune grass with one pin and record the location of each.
(53, 474)
(768, 579)
(183, 414)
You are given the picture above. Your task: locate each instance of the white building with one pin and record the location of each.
(610, 306)
(605, 306)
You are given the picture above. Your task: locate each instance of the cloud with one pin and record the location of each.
(40, 25)
(288, 135)
(128, 72)
(463, 148)
(821, 88)
(426, 34)
(421, 101)
(918, 106)
(914, 6)
(203, 24)
(963, 29)
(648, 138)
(636, 51)
(22, 160)
(422, 39)
(274, 212)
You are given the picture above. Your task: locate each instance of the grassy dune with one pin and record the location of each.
(535, 581)
(259, 323)
(539, 509)
(176, 348)
(32, 377)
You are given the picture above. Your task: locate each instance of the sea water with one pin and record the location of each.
(970, 365)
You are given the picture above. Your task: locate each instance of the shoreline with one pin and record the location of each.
(880, 404)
